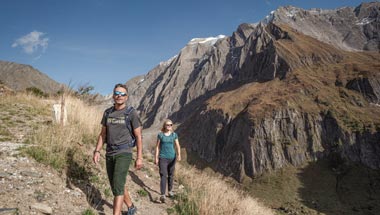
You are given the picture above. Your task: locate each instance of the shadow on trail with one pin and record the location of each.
(139, 182)
(78, 176)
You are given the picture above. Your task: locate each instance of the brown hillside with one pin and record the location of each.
(315, 84)
(19, 77)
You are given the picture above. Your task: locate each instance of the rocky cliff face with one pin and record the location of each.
(287, 90)
(248, 146)
(20, 77)
(368, 87)
(196, 70)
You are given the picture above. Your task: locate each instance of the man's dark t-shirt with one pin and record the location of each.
(117, 131)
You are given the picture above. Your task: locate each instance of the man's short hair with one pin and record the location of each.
(122, 86)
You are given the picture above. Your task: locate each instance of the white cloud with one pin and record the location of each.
(32, 42)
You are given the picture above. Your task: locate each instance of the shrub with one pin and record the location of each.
(36, 92)
(88, 212)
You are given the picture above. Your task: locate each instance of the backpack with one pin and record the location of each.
(128, 111)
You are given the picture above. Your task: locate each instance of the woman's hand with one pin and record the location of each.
(156, 161)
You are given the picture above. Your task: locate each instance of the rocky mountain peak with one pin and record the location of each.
(347, 28)
(370, 10)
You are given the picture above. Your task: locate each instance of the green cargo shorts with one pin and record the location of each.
(117, 170)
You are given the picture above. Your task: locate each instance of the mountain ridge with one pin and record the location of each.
(19, 77)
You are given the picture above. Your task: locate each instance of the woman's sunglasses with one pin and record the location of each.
(118, 93)
(169, 125)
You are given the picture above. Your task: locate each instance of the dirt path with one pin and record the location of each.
(27, 187)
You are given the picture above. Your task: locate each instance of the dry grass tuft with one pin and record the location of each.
(211, 195)
(85, 116)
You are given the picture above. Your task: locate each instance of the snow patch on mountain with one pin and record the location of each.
(207, 41)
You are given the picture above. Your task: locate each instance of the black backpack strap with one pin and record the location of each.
(128, 123)
(129, 110)
(108, 111)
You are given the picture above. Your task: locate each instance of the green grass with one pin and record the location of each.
(319, 187)
(6, 118)
(170, 210)
(89, 212)
(95, 179)
(5, 139)
(107, 192)
(5, 134)
(142, 193)
(43, 156)
(185, 206)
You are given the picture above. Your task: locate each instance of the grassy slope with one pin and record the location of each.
(313, 189)
(20, 115)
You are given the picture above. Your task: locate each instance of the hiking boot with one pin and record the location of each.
(171, 194)
(132, 210)
(162, 198)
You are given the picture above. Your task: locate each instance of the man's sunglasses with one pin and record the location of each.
(118, 93)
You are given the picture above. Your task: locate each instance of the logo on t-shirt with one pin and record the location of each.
(116, 120)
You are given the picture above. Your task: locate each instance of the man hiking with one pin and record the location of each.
(121, 130)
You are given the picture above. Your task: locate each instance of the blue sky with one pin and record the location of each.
(104, 42)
